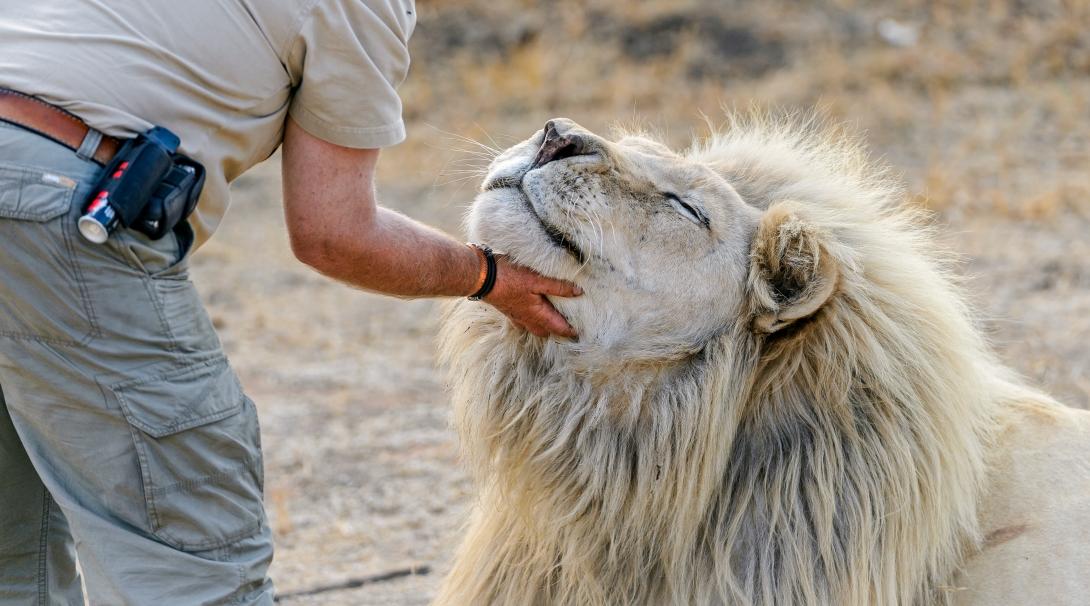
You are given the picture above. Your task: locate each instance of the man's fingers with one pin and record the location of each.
(516, 323)
(563, 329)
(555, 322)
(532, 327)
(520, 294)
(557, 288)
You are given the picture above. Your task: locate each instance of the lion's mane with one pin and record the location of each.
(839, 463)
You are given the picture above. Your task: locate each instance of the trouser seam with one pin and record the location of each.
(81, 284)
(157, 303)
(241, 583)
(43, 549)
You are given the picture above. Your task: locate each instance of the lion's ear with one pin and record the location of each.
(791, 273)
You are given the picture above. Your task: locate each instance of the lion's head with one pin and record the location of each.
(777, 396)
(651, 235)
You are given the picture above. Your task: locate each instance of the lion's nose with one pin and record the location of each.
(559, 143)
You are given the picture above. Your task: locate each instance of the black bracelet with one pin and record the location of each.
(490, 276)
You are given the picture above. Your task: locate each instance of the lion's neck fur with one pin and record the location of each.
(850, 480)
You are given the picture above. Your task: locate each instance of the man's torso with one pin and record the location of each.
(221, 74)
(210, 70)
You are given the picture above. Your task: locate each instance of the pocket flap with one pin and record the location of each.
(31, 195)
(181, 398)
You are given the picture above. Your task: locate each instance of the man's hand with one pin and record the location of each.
(520, 294)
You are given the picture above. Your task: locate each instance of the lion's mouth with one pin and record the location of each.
(555, 235)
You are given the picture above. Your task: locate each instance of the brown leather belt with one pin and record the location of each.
(53, 122)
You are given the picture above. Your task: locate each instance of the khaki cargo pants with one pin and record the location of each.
(125, 437)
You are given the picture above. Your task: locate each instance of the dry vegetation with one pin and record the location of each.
(983, 106)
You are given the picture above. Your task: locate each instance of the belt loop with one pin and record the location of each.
(90, 144)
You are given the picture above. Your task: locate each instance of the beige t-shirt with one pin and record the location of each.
(222, 74)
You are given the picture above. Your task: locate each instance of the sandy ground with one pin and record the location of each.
(362, 469)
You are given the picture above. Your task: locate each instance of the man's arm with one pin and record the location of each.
(336, 227)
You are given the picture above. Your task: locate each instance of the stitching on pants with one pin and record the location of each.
(219, 476)
(149, 282)
(241, 583)
(71, 262)
(18, 336)
(160, 310)
(81, 283)
(210, 544)
(153, 494)
(145, 479)
(43, 549)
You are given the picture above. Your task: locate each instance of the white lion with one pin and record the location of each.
(778, 396)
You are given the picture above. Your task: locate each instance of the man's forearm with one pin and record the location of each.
(390, 253)
(336, 227)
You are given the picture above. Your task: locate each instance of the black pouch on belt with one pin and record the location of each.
(173, 200)
(148, 187)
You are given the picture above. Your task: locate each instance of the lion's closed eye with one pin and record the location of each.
(689, 211)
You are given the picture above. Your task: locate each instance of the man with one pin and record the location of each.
(124, 435)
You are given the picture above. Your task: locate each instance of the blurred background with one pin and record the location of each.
(983, 107)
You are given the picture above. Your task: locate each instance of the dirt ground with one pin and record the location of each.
(983, 108)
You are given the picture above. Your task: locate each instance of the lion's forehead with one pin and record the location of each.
(646, 145)
(640, 173)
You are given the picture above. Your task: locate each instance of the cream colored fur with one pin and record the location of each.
(1035, 512)
(788, 405)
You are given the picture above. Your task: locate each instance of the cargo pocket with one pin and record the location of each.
(42, 293)
(199, 447)
(162, 258)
